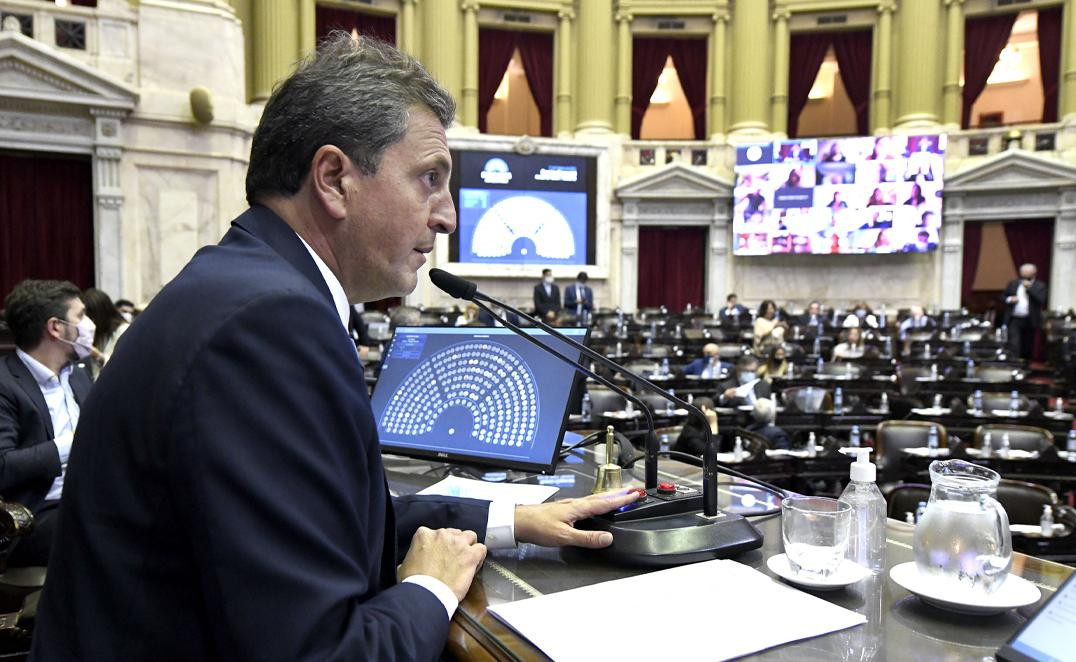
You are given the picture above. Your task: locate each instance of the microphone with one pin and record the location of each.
(665, 528)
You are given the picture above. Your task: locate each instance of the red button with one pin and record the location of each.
(666, 488)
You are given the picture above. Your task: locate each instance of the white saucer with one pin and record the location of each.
(847, 574)
(1014, 592)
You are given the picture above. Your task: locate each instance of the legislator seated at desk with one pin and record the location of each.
(764, 414)
(744, 386)
(710, 366)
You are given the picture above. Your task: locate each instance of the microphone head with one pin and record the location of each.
(453, 285)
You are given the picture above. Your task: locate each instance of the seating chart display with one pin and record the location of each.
(470, 394)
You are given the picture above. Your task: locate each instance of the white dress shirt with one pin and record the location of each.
(63, 411)
(501, 521)
(1021, 309)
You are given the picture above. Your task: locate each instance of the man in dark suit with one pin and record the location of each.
(226, 499)
(746, 372)
(547, 297)
(812, 317)
(1025, 299)
(710, 366)
(579, 299)
(765, 414)
(42, 388)
(734, 310)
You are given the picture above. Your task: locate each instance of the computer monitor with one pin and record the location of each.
(476, 395)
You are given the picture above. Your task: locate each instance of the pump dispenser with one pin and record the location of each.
(866, 544)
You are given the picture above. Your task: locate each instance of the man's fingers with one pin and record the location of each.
(588, 539)
(602, 503)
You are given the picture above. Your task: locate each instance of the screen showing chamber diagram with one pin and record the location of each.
(534, 209)
(469, 394)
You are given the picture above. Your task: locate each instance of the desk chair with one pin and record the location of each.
(808, 399)
(997, 400)
(842, 367)
(755, 444)
(891, 437)
(994, 374)
(603, 400)
(1021, 437)
(16, 584)
(1022, 501)
(730, 351)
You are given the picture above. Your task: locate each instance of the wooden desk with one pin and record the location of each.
(899, 625)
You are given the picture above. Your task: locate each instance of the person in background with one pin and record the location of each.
(579, 299)
(1025, 299)
(852, 347)
(110, 326)
(733, 310)
(745, 372)
(861, 316)
(776, 364)
(922, 243)
(547, 298)
(836, 202)
(710, 366)
(767, 327)
(43, 385)
(764, 414)
(692, 438)
(914, 323)
(812, 317)
(126, 308)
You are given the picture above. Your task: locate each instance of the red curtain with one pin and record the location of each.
(973, 243)
(495, 48)
(689, 58)
(46, 219)
(1050, 59)
(1031, 242)
(327, 19)
(648, 55)
(672, 265)
(536, 51)
(984, 38)
(853, 51)
(807, 50)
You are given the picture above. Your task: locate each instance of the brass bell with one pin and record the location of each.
(609, 474)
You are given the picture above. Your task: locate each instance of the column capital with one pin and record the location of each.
(720, 16)
(781, 12)
(566, 14)
(624, 16)
(950, 3)
(469, 5)
(887, 6)
(408, 2)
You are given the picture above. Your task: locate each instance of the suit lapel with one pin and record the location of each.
(29, 385)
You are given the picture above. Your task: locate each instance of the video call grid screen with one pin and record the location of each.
(535, 209)
(840, 195)
(480, 395)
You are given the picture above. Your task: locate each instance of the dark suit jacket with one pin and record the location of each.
(777, 437)
(741, 313)
(225, 499)
(698, 365)
(29, 461)
(762, 390)
(574, 295)
(805, 319)
(1036, 301)
(543, 303)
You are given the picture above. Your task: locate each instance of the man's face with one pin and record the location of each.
(732, 301)
(1027, 273)
(813, 309)
(66, 328)
(394, 215)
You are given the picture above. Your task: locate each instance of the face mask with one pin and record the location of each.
(548, 280)
(83, 344)
(127, 317)
(861, 313)
(746, 376)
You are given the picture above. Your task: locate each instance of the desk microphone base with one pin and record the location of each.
(677, 539)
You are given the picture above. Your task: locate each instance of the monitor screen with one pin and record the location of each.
(839, 195)
(1047, 637)
(535, 209)
(479, 395)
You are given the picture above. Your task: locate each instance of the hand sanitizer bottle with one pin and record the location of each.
(1014, 402)
(932, 440)
(854, 437)
(811, 450)
(665, 367)
(884, 406)
(1046, 522)
(920, 511)
(969, 370)
(819, 366)
(838, 400)
(1005, 445)
(866, 542)
(737, 450)
(1070, 445)
(988, 446)
(977, 401)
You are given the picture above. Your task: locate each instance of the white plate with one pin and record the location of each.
(847, 574)
(1014, 592)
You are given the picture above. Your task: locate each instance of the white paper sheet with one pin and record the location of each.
(520, 494)
(716, 610)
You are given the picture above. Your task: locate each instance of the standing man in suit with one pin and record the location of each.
(547, 297)
(226, 498)
(579, 299)
(42, 388)
(1025, 299)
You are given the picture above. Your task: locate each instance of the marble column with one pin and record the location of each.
(564, 73)
(442, 44)
(595, 86)
(717, 74)
(750, 110)
(779, 101)
(308, 28)
(1062, 295)
(276, 43)
(917, 94)
(1067, 93)
(629, 257)
(407, 37)
(108, 202)
(952, 96)
(469, 98)
(883, 68)
(623, 73)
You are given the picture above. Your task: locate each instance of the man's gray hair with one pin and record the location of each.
(351, 93)
(765, 411)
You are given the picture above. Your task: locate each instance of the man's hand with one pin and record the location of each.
(551, 524)
(730, 393)
(450, 555)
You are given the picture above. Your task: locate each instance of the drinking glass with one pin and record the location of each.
(815, 531)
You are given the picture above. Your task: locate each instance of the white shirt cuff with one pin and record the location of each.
(440, 590)
(63, 445)
(501, 525)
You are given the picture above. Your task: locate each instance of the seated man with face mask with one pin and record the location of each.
(710, 366)
(41, 390)
(735, 392)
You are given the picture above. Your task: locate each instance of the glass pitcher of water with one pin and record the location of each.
(963, 539)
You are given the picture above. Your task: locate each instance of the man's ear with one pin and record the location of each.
(330, 173)
(54, 329)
